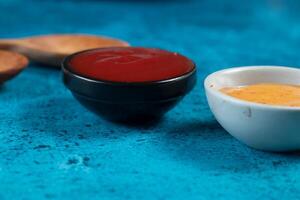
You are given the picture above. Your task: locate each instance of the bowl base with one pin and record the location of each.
(137, 113)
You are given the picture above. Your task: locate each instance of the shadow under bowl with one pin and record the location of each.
(128, 102)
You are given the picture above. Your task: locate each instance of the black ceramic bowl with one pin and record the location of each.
(127, 102)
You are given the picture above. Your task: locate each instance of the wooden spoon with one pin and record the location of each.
(11, 64)
(51, 49)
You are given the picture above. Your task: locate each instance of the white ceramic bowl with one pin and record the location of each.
(264, 127)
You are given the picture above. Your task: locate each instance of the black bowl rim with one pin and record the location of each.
(130, 92)
(66, 69)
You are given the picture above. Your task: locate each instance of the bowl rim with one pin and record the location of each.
(244, 102)
(66, 69)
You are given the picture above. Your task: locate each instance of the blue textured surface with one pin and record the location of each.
(51, 147)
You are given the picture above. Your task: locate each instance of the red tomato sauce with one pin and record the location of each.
(130, 64)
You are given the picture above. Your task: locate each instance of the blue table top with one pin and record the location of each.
(51, 147)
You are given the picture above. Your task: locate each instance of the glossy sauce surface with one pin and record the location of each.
(130, 64)
(267, 93)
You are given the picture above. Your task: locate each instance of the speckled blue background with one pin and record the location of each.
(52, 148)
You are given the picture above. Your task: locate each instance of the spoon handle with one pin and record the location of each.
(7, 44)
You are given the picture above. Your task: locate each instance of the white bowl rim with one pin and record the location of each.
(244, 102)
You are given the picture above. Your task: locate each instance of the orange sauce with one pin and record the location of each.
(267, 93)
